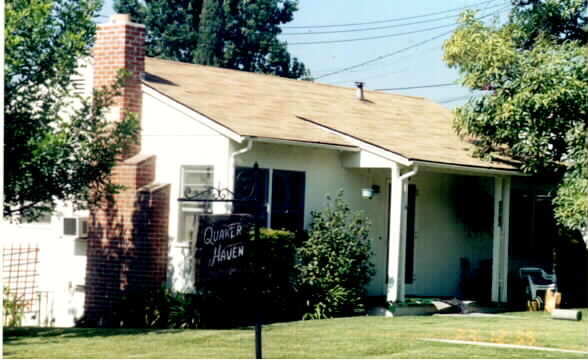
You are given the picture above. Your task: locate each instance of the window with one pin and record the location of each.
(287, 189)
(194, 180)
(410, 229)
(244, 189)
(288, 200)
(532, 226)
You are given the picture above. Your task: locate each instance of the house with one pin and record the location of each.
(436, 210)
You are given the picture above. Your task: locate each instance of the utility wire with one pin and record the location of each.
(377, 27)
(450, 100)
(379, 70)
(383, 36)
(418, 87)
(369, 37)
(395, 52)
(389, 20)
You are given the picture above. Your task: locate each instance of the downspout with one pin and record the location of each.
(402, 178)
(231, 175)
(413, 172)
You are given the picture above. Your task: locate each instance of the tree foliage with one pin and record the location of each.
(335, 262)
(171, 26)
(57, 147)
(234, 34)
(532, 71)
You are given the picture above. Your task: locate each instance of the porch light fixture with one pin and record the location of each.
(368, 193)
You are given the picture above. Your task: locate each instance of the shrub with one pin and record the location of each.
(13, 307)
(162, 308)
(276, 256)
(335, 262)
(269, 288)
(233, 302)
(144, 309)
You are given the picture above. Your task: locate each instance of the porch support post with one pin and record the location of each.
(505, 240)
(497, 241)
(395, 284)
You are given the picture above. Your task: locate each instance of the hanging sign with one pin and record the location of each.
(222, 243)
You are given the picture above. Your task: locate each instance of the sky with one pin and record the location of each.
(406, 49)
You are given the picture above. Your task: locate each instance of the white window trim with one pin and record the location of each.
(185, 207)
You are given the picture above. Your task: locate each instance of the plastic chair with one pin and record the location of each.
(538, 280)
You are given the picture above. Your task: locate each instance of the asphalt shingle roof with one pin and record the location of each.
(272, 107)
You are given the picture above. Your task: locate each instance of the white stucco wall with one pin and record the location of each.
(325, 174)
(61, 268)
(179, 140)
(440, 241)
(441, 238)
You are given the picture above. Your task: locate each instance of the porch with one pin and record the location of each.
(447, 229)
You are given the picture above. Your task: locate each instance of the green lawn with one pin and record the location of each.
(359, 337)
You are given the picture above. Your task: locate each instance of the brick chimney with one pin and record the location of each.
(127, 244)
(120, 44)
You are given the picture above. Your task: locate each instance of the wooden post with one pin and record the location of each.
(258, 310)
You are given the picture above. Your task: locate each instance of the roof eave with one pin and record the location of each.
(468, 169)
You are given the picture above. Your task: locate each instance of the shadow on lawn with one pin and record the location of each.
(15, 334)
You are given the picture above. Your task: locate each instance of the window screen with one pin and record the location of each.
(288, 191)
(194, 180)
(245, 188)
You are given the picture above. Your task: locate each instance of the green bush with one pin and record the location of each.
(269, 286)
(13, 307)
(335, 262)
(276, 256)
(162, 309)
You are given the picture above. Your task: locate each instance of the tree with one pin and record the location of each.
(335, 262)
(171, 26)
(209, 50)
(234, 34)
(532, 72)
(58, 147)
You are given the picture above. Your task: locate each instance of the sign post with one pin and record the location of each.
(258, 287)
(223, 243)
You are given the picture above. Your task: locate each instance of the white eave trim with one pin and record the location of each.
(388, 155)
(304, 143)
(467, 169)
(206, 121)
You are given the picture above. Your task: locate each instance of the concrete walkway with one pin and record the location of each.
(522, 347)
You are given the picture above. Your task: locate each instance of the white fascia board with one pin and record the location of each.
(365, 159)
(386, 154)
(304, 143)
(223, 130)
(464, 169)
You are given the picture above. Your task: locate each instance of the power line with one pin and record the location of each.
(388, 20)
(369, 37)
(380, 66)
(385, 36)
(377, 27)
(450, 100)
(418, 87)
(395, 52)
(373, 76)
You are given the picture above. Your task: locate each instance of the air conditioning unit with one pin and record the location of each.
(75, 226)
